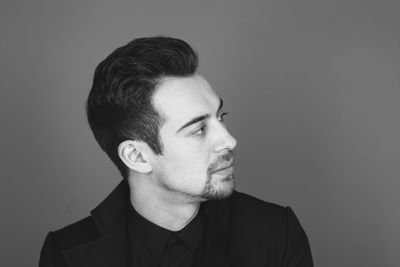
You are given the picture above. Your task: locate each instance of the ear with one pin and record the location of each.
(134, 155)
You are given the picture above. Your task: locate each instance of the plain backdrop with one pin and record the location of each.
(311, 87)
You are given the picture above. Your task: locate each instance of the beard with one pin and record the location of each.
(218, 185)
(217, 188)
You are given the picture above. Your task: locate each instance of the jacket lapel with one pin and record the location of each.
(111, 248)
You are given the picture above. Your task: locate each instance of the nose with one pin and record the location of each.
(225, 141)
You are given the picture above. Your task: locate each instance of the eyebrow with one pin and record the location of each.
(200, 118)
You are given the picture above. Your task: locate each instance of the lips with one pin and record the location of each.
(223, 168)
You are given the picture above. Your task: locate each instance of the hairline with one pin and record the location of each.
(159, 82)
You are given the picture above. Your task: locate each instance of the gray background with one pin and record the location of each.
(312, 88)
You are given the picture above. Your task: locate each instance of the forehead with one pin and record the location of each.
(181, 99)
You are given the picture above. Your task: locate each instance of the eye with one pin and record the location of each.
(221, 116)
(200, 131)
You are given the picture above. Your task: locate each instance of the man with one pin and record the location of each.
(162, 125)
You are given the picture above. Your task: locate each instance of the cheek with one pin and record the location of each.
(188, 162)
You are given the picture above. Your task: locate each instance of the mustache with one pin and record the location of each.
(222, 160)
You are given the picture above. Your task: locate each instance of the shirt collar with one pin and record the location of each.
(156, 237)
(192, 233)
(152, 235)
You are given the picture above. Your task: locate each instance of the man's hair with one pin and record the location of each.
(119, 106)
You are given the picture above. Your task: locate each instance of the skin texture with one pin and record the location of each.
(167, 189)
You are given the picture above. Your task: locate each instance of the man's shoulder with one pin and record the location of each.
(244, 209)
(242, 198)
(255, 213)
(245, 218)
(247, 204)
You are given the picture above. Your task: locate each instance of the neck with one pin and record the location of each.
(160, 206)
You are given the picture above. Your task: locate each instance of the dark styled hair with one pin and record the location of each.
(119, 106)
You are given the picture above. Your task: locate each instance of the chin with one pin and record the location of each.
(219, 191)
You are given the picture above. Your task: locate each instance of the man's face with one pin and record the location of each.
(197, 160)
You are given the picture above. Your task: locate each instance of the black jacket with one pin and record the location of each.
(247, 232)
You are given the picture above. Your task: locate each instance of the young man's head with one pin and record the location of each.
(153, 115)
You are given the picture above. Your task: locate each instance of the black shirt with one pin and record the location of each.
(152, 245)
